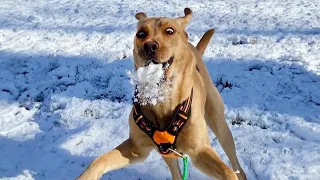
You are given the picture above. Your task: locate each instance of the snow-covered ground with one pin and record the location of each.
(65, 95)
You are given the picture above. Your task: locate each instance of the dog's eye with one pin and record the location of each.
(141, 34)
(169, 31)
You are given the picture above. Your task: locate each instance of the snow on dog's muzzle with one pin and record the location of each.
(165, 65)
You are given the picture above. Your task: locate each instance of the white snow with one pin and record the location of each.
(151, 87)
(151, 73)
(65, 95)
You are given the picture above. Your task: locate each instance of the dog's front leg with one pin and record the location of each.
(208, 161)
(174, 168)
(217, 123)
(123, 155)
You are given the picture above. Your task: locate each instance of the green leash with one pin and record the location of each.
(185, 162)
(185, 167)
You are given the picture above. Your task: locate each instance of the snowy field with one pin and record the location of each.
(65, 95)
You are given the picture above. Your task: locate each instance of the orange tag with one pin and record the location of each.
(163, 137)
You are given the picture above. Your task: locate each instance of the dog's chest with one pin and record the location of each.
(160, 114)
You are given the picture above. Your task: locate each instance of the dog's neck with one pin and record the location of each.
(182, 82)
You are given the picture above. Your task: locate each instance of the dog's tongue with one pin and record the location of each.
(152, 73)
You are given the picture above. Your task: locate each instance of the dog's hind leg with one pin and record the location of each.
(216, 120)
(174, 168)
(123, 155)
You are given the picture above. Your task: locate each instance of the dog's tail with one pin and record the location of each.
(204, 41)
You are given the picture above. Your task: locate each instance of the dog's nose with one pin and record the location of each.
(150, 47)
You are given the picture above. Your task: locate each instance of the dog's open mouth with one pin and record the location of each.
(165, 65)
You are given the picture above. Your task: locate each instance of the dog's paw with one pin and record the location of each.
(241, 175)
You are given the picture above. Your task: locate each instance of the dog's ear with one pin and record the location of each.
(184, 21)
(140, 16)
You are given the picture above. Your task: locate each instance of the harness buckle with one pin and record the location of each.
(176, 152)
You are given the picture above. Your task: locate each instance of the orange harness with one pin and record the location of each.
(166, 138)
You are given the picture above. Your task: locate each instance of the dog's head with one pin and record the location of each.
(160, 39)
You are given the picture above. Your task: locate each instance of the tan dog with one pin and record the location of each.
(159, 40)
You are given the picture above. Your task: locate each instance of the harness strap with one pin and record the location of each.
(165, 139)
